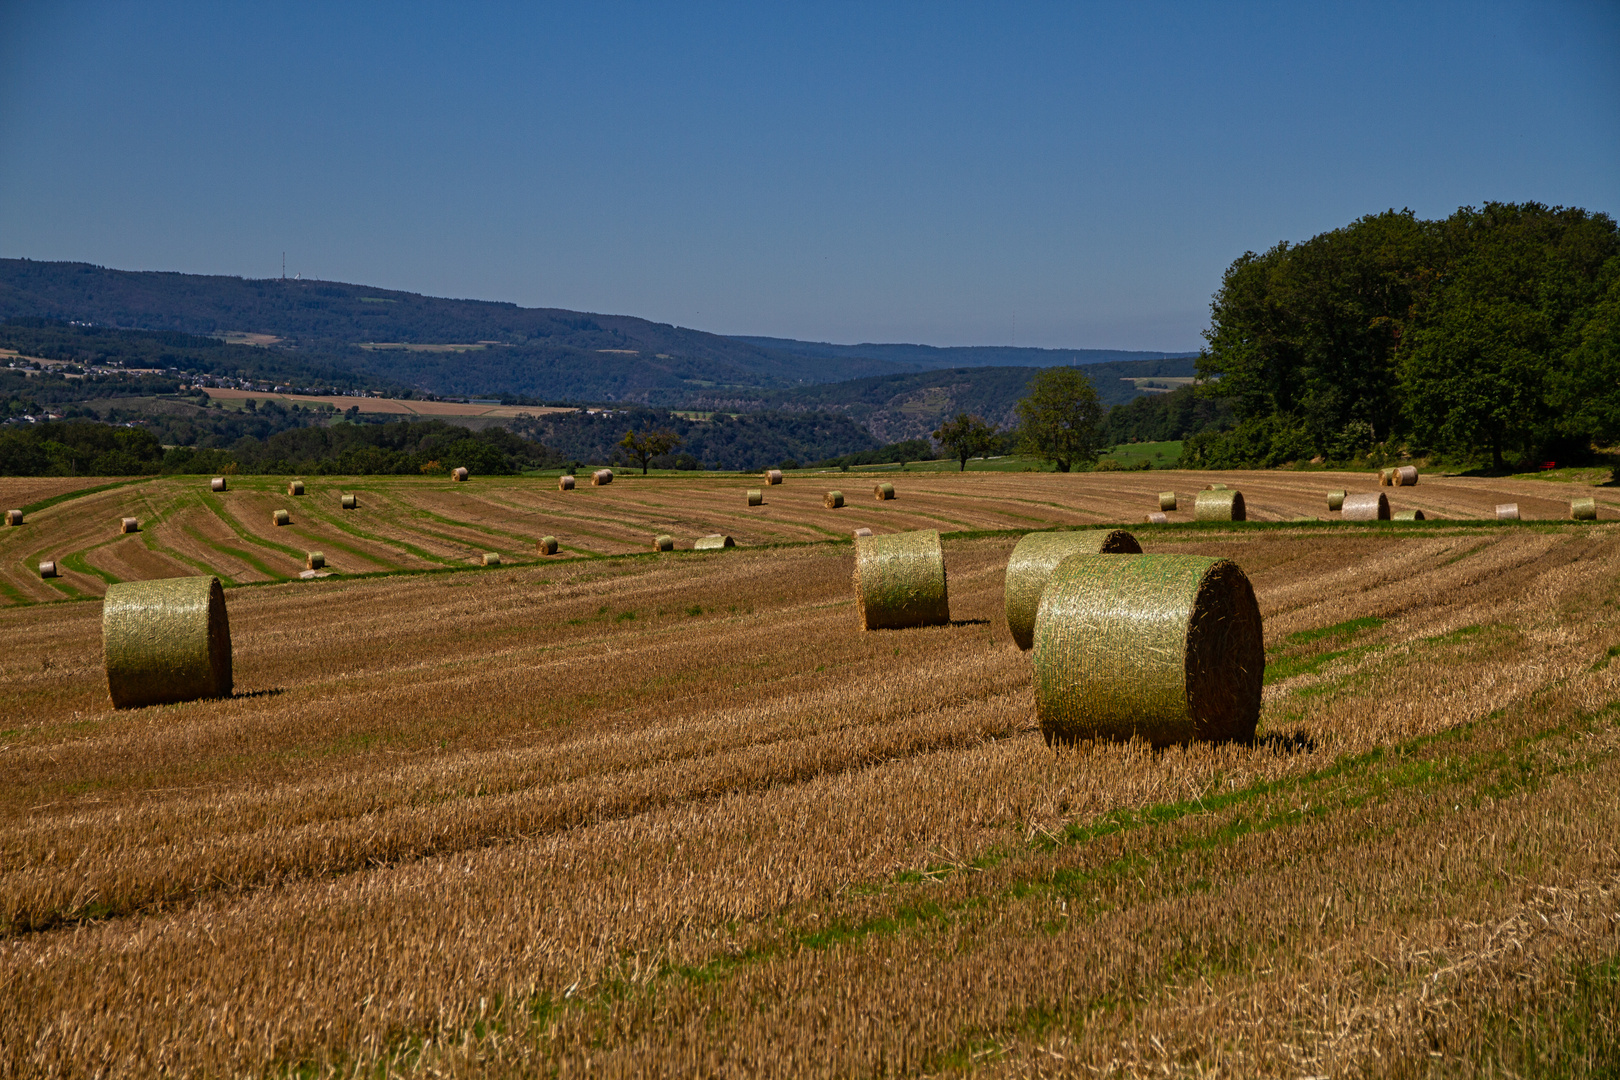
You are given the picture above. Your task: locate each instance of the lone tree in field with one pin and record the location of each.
(966, 437)
(643, 446)
(1062, 418)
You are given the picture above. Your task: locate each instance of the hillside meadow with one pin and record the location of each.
(623, 813)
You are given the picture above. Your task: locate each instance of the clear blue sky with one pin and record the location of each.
(864, 172)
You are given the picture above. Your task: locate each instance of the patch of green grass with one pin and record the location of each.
(1308, 651)
(77, 562)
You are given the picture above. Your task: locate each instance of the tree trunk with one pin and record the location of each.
(1496, 453)
(1062, 466)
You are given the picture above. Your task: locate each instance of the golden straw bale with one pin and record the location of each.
(350, 502)
(664, 543)
(1366, 506)
(217, 484)
(1216, 487)
(315, 560)
(14, 517)
(1386, 478)
(1407, 515)
(1507, 512)
(1032, 563)
(295, 487)
(1219, 504)
(166, 640)
(1583, 510)
(883, 492)
(900, 581)
(458, 474)
(1167, 501)
(491, 559)
(281, 517)
(1406, 476)
(773, 476)
(129, 525)
(1158, 518)
(47, 568)
(565, 483)
(833, 500)
(547, 545)
(862, 532)
(756, 497)
(1165, 647)
(601, 477)
(1336, 500)
(712, 543)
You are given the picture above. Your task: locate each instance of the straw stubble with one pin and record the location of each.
(1031, 564)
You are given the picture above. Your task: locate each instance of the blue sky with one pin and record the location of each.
(1066, 175)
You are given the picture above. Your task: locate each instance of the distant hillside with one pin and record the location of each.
(961, 356)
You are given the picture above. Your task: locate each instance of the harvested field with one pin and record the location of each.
(679, 816)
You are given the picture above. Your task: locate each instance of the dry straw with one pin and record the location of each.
(773, 476)
(217, 484)
(295, 487)
(900, 581)
(458, 474)
(1583, 510)
(883, 492)
(1033, 561)
(47, 568)
(565, 483)
(281, 517)
(1219, 504)
(664, 543)
(129, 525)
(547, 545)
(756, 497)
(1407, 515)
(833, 500)
(1158, 518)
(315, 560)
(712, 543)
(601, 477)
(1165, 647)
(1406, 476)
(1336, 500)
(1167, 501)
(350, 502)
(166, 640)
(491, 559)
(1366, 506)
(1507, 511)
(14, 517)
(862, 532)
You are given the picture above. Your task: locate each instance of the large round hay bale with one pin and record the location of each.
(862, 532)
(833, 500)
(713, 543)
(217, 484)
(166, 640)
(350, 502)
(458, 474)
(1219, 504)
(601, 477)
(547, 545)
(1386, 478)
(14, 517)
(1583, 510)
(883, 492)
(281, 517)
(1507, 512)
(1167, 501)
(1216, 487)
(1336, 500)
(1407, 515)
(129, 525)
(1032, 563)
(295, 487)
(900, 581)
(1406, 476)
(315, 560)
(47, 568)
(773, 476)
(664, 543)
(1366, 506)
(1165, 647)
(1158, 518)
(491, 559)
(756, 497)
(565, 483)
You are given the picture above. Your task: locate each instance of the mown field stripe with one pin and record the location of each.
(66, 495)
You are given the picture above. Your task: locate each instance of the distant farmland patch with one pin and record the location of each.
(391, 406)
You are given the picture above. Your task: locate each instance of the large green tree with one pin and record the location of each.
(643, 446)
(966, 436)
(1061, 418)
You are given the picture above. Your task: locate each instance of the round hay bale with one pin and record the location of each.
(1219, 504)
(14, 517)
(129, 525)
(281, 517)
(773, 476)
(1583, 510)
(713, 543)
(1034, 559)
(664, 543)
(1366, 506)
(900, 581)
(315, 560)
(601, 477)
(833, 500)
(565, 483)
(1166, 647)
(47, 568)
(1167, 501)
(295, 487)
(217, 484)
(756, 497)
(547, 545)
(883, 492)
(1507, 512)
(166, 640)
(1386, 478)
(491, 559)
(862, 532)
(351, 502)
(1336, 500)
(1158, 518)
(1406, 476)
(458, 474)
(1216, 487)
(1407, 515)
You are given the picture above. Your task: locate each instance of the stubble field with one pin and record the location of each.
(675, 814)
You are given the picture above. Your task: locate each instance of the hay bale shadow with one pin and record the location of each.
(1286, 742)
(274, 691)
(970, 622)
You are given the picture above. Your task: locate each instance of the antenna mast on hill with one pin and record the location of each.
(283, 266)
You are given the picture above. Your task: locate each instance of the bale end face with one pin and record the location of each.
(491, 559)
(773, 477)
(1167, 501)
(1583, 510)
(601, 477)
(47, 568)
(883, 492)
(1034, 558)
(713, 543)
(547, 545)
(756, 497)
(900, 581)
(1336, 500)
(315, 560)
(832, 500)
(663, 543)
(565, 483)
(1219, 504)
(350, 502)
(129, 525)
(1366, 506)
(1507, 512)
(166, 640)
(281, 517)
(295, 488)
(14, 517)
(1164, 647)
(217, 484)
